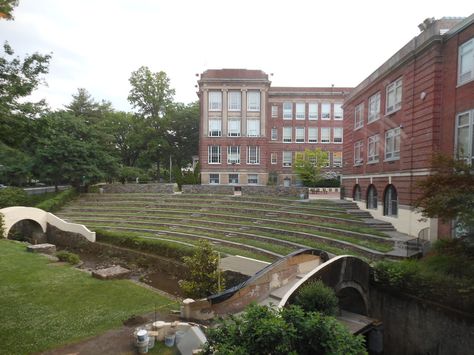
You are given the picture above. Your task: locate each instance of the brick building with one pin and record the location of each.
(250, 132)
(419, 102)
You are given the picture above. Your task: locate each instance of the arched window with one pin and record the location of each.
(390, 201)
(356, 194)
(372, 197)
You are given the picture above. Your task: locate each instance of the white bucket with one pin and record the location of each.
(169, 340)
(143, 345)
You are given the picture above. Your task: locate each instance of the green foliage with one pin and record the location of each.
(15, 167)
(6, 9)
(188, 177)
(130, 174)
(309, 164)
(55, 203)
(262, 330)
(327, 183)
(13, 196)
(317, 297)
(83, 105)
(204, 275)
(68, 257)
(2, 226)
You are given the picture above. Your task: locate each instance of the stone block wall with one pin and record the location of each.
(208, 189)
(280, 191)
(64, 239)
(138, 188)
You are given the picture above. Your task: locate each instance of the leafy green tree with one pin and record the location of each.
(6, 9)
(15, 166)
(13, 196)
(309, 164)
(204, 275)
(83, 105)
(317, 297)
(448, 193)
(262, 330)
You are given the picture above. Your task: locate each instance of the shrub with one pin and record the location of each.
(58, 201)
(68, 257)
(13, 196)
(2, 227)
(317, 297)
(327, 183)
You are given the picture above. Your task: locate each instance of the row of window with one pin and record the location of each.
(390, 199)
(234, 100)
(312, 137)
(234, 127)
(393, 102)
(302, 111)
(391, 152)
(465, 136)
(252, 179)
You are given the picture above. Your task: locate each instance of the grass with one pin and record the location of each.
(44, 305)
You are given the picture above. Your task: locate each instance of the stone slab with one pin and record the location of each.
(44, 248)
(113, 272)
(193, 339)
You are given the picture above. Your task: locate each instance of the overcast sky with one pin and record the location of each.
(96, 44)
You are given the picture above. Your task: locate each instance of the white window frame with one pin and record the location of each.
(359, 116)
(254, 181)
(466, 50)
(253, 159)
(234, 100)
(391, 138)
(337, 138)
(211, 154)
(358, 153)
(253, 100)
(274, 134)
(299, 134)
(373, 108)
(325, 138)
(287, 110)
(233, 178)
(287, 159)
(253, 131)
(274, 111)
(287, 134)
(233, 131)
(337, 159)
(233, 154)
(215, 100)
(394, 96)
(300, 111)
(373, 148)
(325, 115)
(212, 178)
(469, 126)
(338, 111)
(215, 127)
(273, 158)
(313, 111)
(312, 134)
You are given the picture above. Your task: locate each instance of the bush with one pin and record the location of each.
(58, 201)
(327, 183)
(13, 196)
(68, 257)
(317, 297)
(2, 227)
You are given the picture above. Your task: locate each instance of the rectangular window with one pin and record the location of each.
(233, 155)
(215, 129)
(234, 101)
(233, 129)
(337, 135)
(214, 154)
(313, 111)
(465, 136)
(373, 149)
(358, 152)
(253, 128)
(374, 108)
(213, 178)
(325, 111)
(466, 62)
(253, 155)
(299, 134)
(253, 101)
(252, 179)
(394, 96)
(359, 116)
(215, 100)
(300, 111)
(273, 158)
(274, 111)
(233, 178)
(313, 135)
(287, 134)
(338, 112)
(287, 159)
(274, 134)
(392, 144)
(337, 159)
(325, 135)
(287, 111)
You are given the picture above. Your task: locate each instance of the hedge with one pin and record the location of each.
(58, 201)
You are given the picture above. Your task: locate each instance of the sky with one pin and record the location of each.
(97, 44)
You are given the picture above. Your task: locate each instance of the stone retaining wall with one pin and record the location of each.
(208, 189)
(281, 191)
(64, 239)
(138, 188)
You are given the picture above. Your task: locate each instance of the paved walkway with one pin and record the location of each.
(241, 264)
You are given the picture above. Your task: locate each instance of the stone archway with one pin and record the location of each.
(352, 298)
(27, 230)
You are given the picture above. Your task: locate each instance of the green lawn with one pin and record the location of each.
(44, 305)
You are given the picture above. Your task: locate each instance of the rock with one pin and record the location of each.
(45, 248)
(114, 272)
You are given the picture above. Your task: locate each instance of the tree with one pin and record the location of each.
(83, 105)
(309, 165)
(317, 297)
(204, 275)
(6, 8)
(262, 330)
(448, 194)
